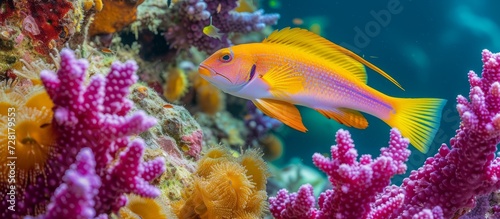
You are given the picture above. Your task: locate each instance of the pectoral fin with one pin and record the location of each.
(347, 117)
(283, 80)
(282, 111)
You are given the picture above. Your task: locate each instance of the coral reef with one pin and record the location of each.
(93, 116)
(355, 184)
(176, 132)
(74, 197)
(469, 168)
(144, 208)
(444, 187)
(225, 187)
(195, 15)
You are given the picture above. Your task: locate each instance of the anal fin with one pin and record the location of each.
(347, 117)
(282, 111)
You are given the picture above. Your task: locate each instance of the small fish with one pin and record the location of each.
(297, 67)
(219, 7)
(106, 50)
(212, 31)
(298, 21)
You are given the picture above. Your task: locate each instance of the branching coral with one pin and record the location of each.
(443, 188)
(191, 16)
(355, 184)
(94, 116)
(225, 187)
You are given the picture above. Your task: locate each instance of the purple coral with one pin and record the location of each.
(453, 177)
(355, 184)
(258, 123)
(444, 187)
(74, 197)
(95, 116)
(191, 16)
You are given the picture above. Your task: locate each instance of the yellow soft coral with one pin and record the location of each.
(210, 99)
(143, 208)
(30, 123)
(225, 187)
(34, 139)
(176, 84)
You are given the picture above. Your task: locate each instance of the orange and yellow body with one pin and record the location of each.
(297, 67)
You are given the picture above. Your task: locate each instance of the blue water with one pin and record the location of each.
(428, 46)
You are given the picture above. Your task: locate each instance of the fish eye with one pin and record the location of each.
(226, 58)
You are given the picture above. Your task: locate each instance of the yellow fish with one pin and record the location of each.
(297, 67)
(212, 31)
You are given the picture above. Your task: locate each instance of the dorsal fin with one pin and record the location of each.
(313, 44)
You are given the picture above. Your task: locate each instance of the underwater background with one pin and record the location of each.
(428, 46)
(105, 113)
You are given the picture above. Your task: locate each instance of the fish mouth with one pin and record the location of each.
(203, 70)
(206, 71)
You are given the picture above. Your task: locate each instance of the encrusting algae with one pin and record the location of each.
(225, 187)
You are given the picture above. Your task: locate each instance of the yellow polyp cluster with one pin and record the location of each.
(26, 128)
(87, 4)
(209, 98)
(34, 140)
(176, 84)
(225, 187)
(143, 208)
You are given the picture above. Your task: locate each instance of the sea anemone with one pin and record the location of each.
(225, 187)
(34, 139)
(143, 208)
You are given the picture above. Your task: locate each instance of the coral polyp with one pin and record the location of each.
(35, 138)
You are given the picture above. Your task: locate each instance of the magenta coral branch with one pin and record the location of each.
(97, 117)
(453, 177)
(355, 184)
(444, 187)
(74, 197)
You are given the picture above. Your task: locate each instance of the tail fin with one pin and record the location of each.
(418, 119)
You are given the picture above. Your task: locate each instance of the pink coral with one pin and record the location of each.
(444, 187)
(355, 184)
(453, 177)
(195, 143)
(96, 116)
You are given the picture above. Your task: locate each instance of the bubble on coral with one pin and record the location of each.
(176, 84)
